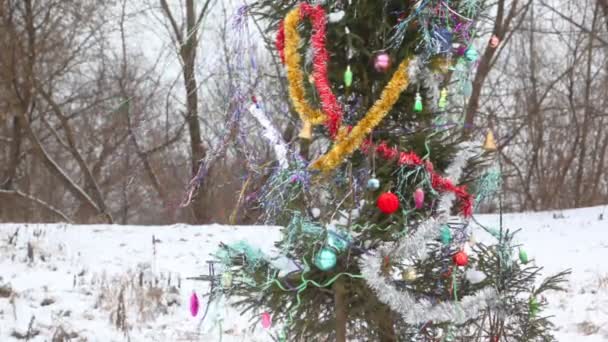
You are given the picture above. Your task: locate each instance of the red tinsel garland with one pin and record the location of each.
(280, 42)
(438, 182)
(329, 102)
(334, 112)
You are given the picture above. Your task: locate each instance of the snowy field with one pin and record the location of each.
(113, 283)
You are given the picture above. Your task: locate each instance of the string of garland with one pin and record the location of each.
(353, 139)
(287, 42)
(411, 159)
(303, 286)
(416, 311)
(295, 75)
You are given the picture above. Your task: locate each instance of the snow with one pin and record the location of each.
(82, 269)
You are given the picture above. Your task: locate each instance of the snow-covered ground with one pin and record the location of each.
(88, 281)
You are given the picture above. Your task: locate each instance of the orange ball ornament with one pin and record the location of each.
(461, 259)
(388, 203)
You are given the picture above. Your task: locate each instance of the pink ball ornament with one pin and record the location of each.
(194, 304)
(266, 320)
(382, 62)
(419, 198)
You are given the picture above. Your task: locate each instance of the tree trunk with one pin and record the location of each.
(387, 329)
(341, 309)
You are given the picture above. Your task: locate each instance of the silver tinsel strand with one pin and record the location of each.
(415, 246)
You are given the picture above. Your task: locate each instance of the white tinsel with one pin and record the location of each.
(272, 134)
(416, 311)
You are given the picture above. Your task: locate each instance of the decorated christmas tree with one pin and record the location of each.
(377, 243)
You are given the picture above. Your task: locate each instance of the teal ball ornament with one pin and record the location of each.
(326, 259)
(373, 184)
(471, 54)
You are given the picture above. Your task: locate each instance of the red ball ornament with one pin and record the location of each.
(388, 203)
(461, 259)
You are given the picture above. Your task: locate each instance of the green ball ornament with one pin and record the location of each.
(326, 259)
(471, 54)
(445, 235)
(523, 257)
(373, 184)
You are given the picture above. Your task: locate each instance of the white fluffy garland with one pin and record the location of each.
(272, 134)
(415, 246)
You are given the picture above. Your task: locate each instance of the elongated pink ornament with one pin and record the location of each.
(419, 198)
(194, 304)
(266, 320)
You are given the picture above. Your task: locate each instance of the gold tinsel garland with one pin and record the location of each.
(353, 140)
(346, 142)
(295, 76)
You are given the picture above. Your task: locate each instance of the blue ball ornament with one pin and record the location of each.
(373, 184)
(326, 259)
(471, 54)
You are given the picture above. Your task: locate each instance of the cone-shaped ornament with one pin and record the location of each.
(490, 143)
(306, 132)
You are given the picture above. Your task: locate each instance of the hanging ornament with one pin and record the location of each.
(494, 42)
(326, 259)
(418, 103)
(523, 257)
(409, 274)
(306, 132)
(443, 99)
(460, 49)
(373, 184)
(226, 280)
(446, 235)
(419, 198)
(266, 320)
(490, 144)
(382, 62)
(461, 259)
(471, 54)
(533, 307)
(388, 203)
(348, 77)
(338, 240)
(194, 304)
